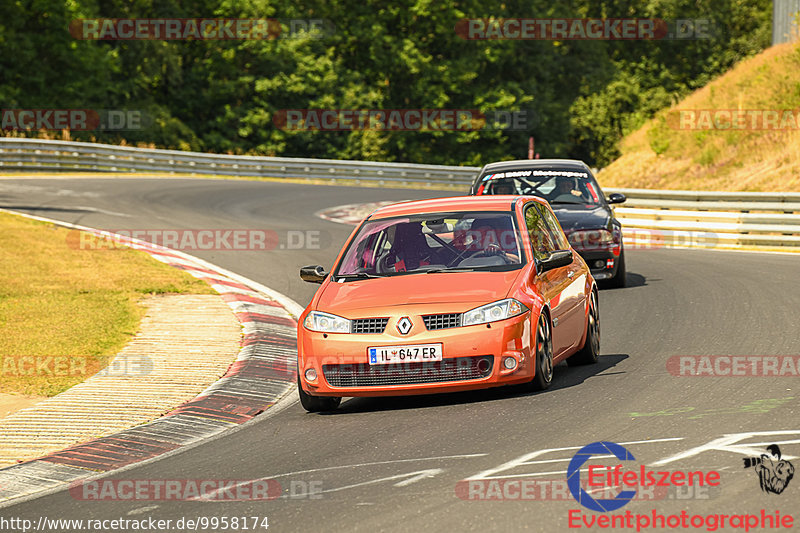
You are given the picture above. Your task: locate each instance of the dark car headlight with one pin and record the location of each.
(590, 239)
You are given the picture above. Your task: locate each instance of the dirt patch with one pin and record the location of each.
(11, 403)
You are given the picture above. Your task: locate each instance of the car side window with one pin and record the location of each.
(553, 225)
(541, 238)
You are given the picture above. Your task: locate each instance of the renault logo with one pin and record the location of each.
(404, 325)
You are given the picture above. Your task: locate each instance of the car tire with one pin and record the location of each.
(316, 404)
(620, 279)
(590, 351)
(543, 351)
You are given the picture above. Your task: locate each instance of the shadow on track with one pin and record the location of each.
(633, 280)
(563, 378)
(48, 209)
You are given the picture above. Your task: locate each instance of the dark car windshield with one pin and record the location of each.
(554, 185)
(442, 242)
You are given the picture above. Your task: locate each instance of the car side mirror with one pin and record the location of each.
(616, 198)
(313, 274)
(556, 259)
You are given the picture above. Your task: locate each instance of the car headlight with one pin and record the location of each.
(493, 312)
(326, 323)
(590, 239)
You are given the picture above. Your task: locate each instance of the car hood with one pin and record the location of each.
(578, 217)
(416, 289)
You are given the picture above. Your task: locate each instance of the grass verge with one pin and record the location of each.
(65, 312)
(722, 155)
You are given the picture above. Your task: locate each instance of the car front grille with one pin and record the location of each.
(370, 325)
(450, 320)
(365, 375)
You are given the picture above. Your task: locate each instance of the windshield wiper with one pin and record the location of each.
(357, 275)
(438, 270)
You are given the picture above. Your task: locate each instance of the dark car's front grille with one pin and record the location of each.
(370, 325)
(450, 320)
(365, 375)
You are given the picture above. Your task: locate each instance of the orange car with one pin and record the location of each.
(446, 295)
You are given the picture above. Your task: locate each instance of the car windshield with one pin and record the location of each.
(555, 186)
(443, 242)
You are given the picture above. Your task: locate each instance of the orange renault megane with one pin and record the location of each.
(446, 295)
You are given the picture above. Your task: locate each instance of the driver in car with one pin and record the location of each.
(503, 186)
(484, 236)
(566, 189)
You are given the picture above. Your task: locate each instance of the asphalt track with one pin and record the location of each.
(394, 464)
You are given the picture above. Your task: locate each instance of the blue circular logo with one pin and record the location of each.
(574, 476)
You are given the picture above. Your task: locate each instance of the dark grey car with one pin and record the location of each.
(582, 209)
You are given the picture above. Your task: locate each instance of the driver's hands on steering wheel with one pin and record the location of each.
(493, 249)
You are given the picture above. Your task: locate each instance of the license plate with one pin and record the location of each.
(415, 353)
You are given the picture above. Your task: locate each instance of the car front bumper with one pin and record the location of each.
(472, 358)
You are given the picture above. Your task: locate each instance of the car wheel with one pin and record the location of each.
(316, 404)
(591, 348)
(620, 278)
(544, 355)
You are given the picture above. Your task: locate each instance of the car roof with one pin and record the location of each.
(537, 163)
(453, 203)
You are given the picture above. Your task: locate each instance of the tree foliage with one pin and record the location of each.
(223, 95)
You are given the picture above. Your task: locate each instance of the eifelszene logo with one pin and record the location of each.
(574, 476)
(602, 477)
(774, 473)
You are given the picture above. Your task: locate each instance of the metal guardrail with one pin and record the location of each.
(707, 219)
(650, 217)
(38, 154)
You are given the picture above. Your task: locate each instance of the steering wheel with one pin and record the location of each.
(381, 265)
(494, 250)
(568, 198)
(459, 256)
(490, 251)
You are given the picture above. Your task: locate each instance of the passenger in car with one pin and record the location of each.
(410, 248)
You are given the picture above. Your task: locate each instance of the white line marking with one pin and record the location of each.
(211, 495)
(525, 460)
(415, 476)
(731, 443)
(566, 460)
(358, 465)
(141, 510)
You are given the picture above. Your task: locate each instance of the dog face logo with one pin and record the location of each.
(774, 473)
